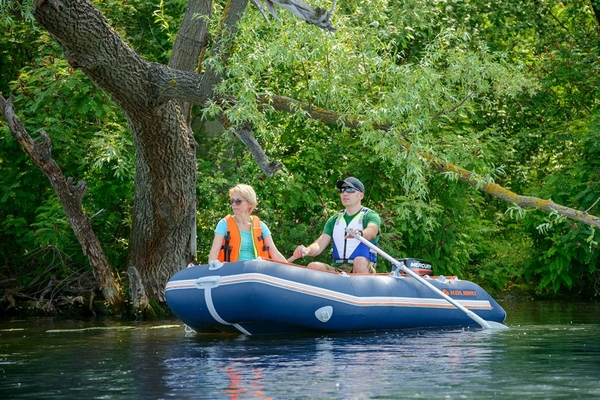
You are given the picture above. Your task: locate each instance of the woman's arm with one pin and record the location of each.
(275, 254)
(216, 247)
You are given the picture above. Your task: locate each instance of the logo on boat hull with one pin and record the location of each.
(459, 292)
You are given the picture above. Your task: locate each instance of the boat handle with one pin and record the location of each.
(208, 282)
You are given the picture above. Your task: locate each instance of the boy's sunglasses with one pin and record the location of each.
(236, 201)
(347, 189)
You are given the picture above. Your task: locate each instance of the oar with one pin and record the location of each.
(484, 324)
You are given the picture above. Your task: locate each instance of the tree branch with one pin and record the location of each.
(286, 104)
(328, 117)
(506, 195)
(245, 135)
(315, 16)
(71, 197)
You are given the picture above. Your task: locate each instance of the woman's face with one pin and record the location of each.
(239, 204)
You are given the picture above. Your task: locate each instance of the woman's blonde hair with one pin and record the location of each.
(247, 193)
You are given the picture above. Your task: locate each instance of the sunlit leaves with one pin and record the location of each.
(502, 88)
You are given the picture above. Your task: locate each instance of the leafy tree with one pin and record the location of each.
(429, 86)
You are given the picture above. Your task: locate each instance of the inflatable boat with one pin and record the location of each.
(267, 297)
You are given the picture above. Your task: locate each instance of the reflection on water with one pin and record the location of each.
(551, 351)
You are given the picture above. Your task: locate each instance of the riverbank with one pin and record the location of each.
(80, 299)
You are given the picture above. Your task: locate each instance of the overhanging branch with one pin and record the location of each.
(328, 117)
(244, 134)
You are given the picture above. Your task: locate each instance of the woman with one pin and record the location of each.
(242, 236)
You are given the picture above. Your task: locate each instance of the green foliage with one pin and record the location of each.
(149, 28)
(12, 11)
(554, 148)
(90, 142)
(17, 46)
(566, 254)
(381, 80)
(504, 89)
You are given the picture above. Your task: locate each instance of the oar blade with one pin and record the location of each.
(496, 326)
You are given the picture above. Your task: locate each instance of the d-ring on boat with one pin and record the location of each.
(267, 297)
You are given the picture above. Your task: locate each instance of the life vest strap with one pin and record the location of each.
(226, 248)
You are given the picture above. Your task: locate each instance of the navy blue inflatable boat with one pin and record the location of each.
(266, 297)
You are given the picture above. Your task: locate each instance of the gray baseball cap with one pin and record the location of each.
(352, 182)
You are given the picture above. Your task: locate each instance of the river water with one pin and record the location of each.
(551, 351)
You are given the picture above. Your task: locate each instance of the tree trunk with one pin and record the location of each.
(165, 160)
(164, 202)
(187, 55)
(149, 94)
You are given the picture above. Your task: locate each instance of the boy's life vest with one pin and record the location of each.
(230, 248)
(344, 250)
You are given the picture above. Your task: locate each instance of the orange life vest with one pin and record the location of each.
(230, 249)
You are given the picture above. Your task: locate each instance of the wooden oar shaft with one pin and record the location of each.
(401, 265)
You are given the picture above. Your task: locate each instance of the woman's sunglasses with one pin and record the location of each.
(347, 189)
(236, 201)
